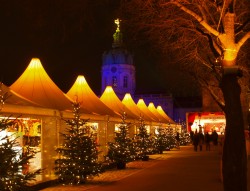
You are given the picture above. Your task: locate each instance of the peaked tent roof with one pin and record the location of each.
(143, 107)
(130, 104)
(112, 101)
(35, 85)
(153, 109)
(161, 111)
(81, 92)
(14, 98)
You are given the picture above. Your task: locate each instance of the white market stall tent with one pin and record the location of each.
(110, 99)
(143, 107)
(82, 93)
(152, 108)
(36, 85)
(130, 104)
(14, 98)
(161, 111)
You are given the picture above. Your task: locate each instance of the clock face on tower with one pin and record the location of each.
(113, 69)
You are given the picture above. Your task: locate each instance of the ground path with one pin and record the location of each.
(173, 170)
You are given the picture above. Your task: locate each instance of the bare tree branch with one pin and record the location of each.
(213, 94)
(243, 40)
(197, 17)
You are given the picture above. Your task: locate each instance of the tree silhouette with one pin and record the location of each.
(210, 40)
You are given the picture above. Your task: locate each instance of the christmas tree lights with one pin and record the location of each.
(143, 142)
(161, 142)
(78, 155)
(13, 175)
(121, 150)
(171, 138)
(185, 138)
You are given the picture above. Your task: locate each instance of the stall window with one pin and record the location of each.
(28, 135)
(125, 81)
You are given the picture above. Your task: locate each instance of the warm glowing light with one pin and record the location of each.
(36, 85)
(108, 89)
(140, 102)
(159, 107)
(229, 57)
(153, 109)
(230, 54)
(35, 63)
(161, 111)
(143, 107)
(13, 118)
(130, 104)
(90, 102)
(117, 22)
(81, 80)
(151, 104)
(127, 96)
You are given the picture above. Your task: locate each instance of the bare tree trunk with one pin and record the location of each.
(234, 160)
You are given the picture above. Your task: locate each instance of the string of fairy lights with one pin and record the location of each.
(125, 149)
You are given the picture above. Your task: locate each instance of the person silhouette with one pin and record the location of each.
(196, 140)
(215, 137)
(207, 141)
(201, 139)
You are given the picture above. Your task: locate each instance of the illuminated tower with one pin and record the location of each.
(118, 69)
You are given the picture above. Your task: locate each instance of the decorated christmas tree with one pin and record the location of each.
(185, 138)
(78, 158)
(171, 138)
(12, 158)
(121, 151)
(161, 141)
(143, 143)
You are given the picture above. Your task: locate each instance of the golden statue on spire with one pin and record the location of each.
(117, 35)
(117, 22)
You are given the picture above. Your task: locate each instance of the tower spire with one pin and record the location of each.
(117, 35)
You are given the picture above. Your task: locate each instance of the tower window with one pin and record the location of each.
(125, 81)
(114, 81)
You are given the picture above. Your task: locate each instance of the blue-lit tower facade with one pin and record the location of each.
(118, 68)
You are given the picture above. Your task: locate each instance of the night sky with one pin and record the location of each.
(70, 40)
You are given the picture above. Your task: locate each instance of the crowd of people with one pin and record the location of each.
(199, 139)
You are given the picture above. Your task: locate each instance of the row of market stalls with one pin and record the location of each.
(40, 109)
